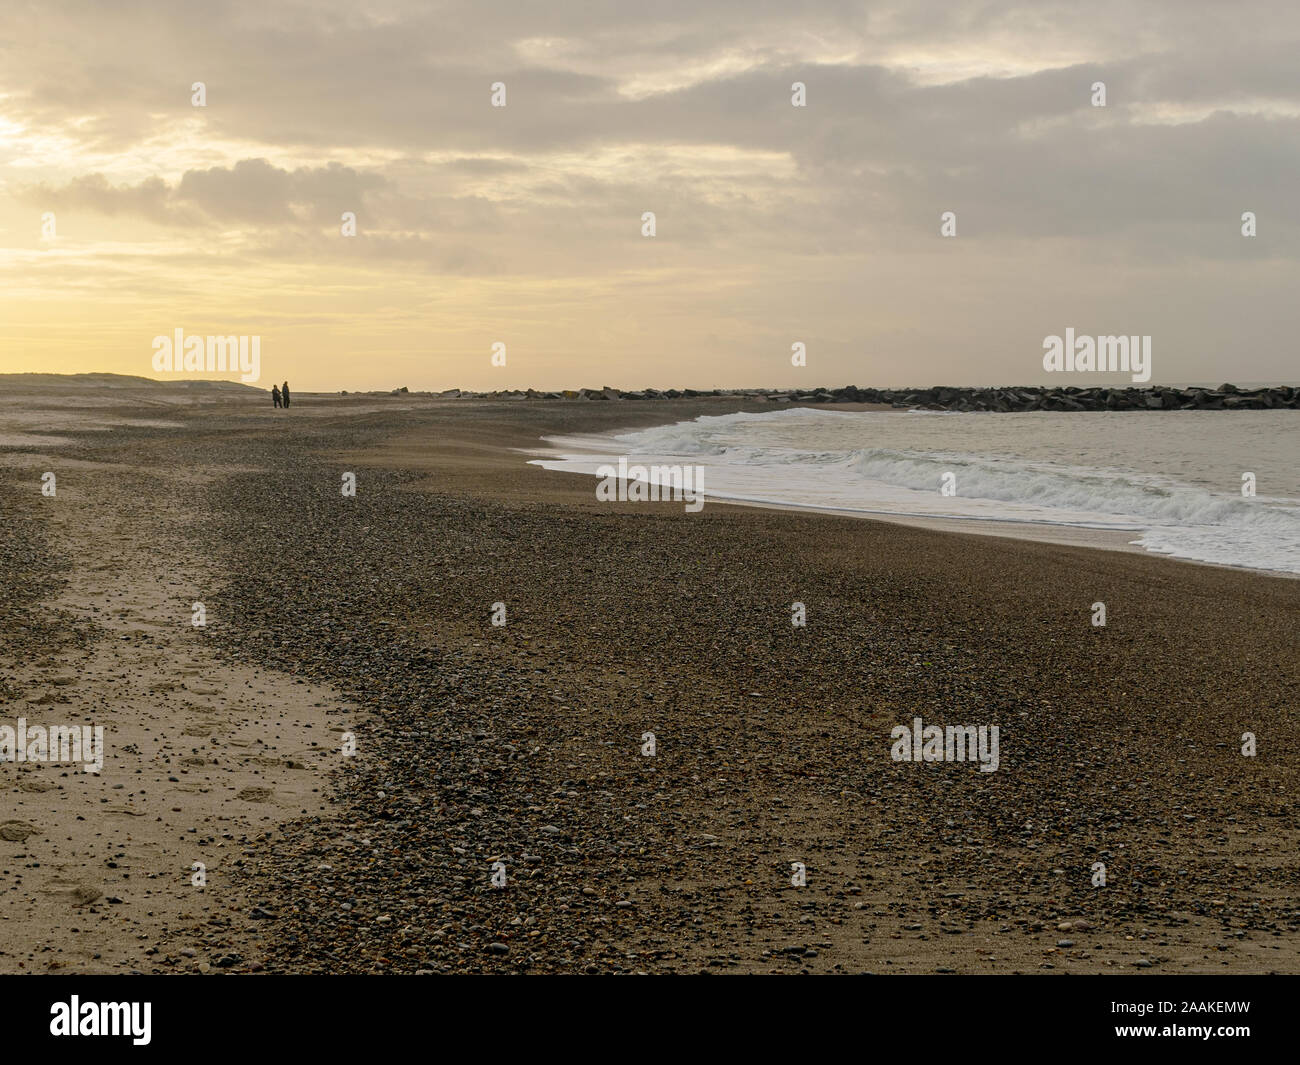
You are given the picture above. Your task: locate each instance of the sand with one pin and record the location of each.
(522, 744)
(204, 754)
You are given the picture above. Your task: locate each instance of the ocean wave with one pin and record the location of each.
(783, 457)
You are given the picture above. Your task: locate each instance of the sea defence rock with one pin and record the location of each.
(1001, 399)
(1013, 399)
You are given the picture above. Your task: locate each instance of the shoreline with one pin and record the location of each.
(1062, 533)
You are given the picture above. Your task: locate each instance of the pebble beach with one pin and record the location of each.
(379, 779)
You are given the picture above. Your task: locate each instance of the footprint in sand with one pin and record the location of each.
(202, 687)
(73, 891)
(256, 794)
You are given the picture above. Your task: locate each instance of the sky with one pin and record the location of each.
(128, 212)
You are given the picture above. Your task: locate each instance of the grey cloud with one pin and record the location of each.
(882, 148)
(252, 192)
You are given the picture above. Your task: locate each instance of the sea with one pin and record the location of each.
(1219, 487)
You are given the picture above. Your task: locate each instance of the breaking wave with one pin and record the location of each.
(799, 458)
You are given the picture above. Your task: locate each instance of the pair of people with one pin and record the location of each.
(280, 396)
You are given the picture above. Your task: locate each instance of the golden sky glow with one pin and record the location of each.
(522, 224)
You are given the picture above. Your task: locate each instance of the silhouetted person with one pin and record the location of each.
(275, 395)
(284, 393)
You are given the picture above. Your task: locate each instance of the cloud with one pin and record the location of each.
(252, 192)
(683, 108)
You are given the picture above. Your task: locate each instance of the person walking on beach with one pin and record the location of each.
(284, 393)
(275, 396)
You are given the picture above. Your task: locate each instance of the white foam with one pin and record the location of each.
(1144, 473)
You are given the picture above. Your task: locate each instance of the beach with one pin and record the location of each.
(353, 751)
